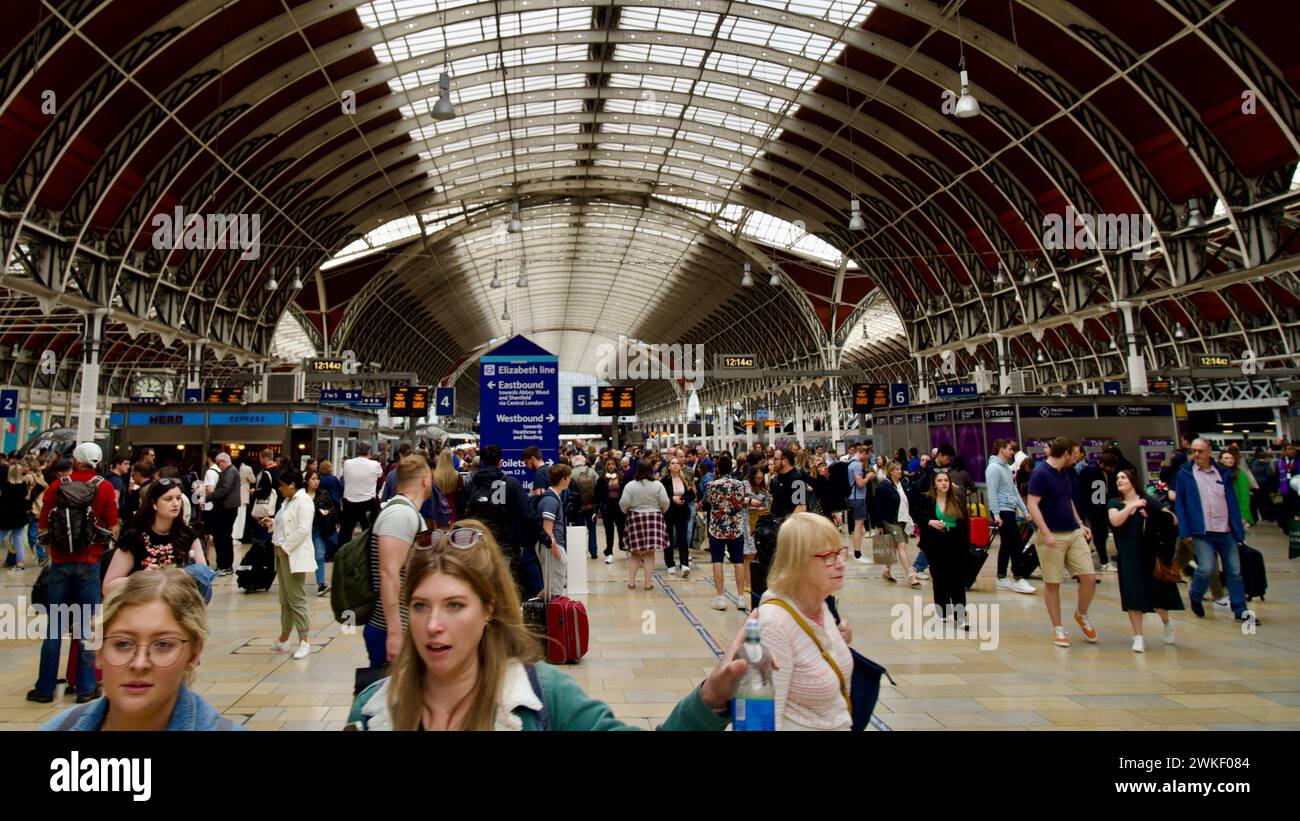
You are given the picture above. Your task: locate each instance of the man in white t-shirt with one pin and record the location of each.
(361, 476)
(390, 543)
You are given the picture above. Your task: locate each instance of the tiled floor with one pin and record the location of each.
(646, 653)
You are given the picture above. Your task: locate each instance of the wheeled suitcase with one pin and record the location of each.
(980, 533)
(978, 556)
(535, 621)
(257, 569)
(1252, 572)
(567, 630)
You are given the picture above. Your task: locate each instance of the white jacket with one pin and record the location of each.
(292, 532)
(516, 692)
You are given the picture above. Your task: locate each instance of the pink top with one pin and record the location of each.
(1214, 499)
(808, 693)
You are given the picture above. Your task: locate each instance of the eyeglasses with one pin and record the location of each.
(168, 482)
(462, 538)
(829, 558)
(121, 651)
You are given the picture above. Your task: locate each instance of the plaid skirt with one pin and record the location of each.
(645, 530)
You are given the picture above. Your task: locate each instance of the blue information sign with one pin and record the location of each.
(581, 400)
(340, 396)
(193, 394)
(954, 390)
(371, 403)
(761, 413)
(1111, 388)
(445, 404)
(900, 394)
(519, 404)
(9, 404)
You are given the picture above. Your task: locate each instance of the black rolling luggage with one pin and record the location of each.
(1252, 572)
(256, 570)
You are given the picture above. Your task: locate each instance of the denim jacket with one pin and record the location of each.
(190, 714)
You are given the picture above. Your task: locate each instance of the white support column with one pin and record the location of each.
(749, 429)
(922, 384)
(194, 364)
(835, 412)
(88, 399)
(1137, 364)
(1004, 377)
(798, 417)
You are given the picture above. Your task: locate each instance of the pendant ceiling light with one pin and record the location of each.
(271, 284)
(443, 109)
(967, 105)
(516, 224)
(856, 222)
(297, 280)
(747, 281)
(505, 314)
(522, 282)
(1194, 218)
(1178, 330)
(1001, 278)
(775, 279)
(1041, 358)
(496, 274)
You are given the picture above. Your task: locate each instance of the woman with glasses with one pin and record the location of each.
(644, 502)
(295, 557)
(945, 538)
(468, 662)
(680, 488)
(154, 629)
(810, 650)
(157, 537)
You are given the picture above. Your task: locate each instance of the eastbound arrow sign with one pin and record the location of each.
(519, 404)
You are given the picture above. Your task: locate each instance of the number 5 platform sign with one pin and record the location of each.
(446, 402)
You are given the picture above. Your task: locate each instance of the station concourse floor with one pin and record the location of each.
(646, 653)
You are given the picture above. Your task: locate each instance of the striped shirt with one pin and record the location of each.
(808, 695)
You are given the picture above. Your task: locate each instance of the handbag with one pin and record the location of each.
(701, 530)
(1167, 572)
(861, 694)
(264, 509)
(883, 550)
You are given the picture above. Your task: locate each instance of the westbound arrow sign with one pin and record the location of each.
(550, 417)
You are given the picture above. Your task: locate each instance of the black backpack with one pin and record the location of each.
(490, 506)
(72, 520)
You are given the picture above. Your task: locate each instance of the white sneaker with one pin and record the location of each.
(1112, 567)
(1022, 586)
(279, 646)
(1139, 646)
(719, 603)
(686, 571)
(609, 559)
(303, 651)
(672, 571)
(1005, 584)
(1105, 568)
(863, 560)
(1222, 604)
(923, 576)
(1169, 633)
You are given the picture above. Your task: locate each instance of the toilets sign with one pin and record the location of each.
(519, 404)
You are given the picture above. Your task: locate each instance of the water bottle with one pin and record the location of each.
(753, 706)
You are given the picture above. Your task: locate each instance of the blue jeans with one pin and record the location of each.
(587, 519)
(16, 537)
(690, 527)
(318, 541)
(376, 645)
(70, 584)
(922, 561)
(1225, 545)
(530, 572)
(33, 538)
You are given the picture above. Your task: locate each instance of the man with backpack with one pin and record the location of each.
(78, 518)
(222, 493)
(498, 500)
(582, 499)
(390, 542)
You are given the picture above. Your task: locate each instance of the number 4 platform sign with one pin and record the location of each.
(446, 402)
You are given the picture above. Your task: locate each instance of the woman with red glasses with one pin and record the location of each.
(810, 650)
(467, 662)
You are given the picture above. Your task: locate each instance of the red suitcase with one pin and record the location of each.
(980, 535)
(567, 630)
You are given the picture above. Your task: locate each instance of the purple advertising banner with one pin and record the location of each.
(970, 446)
(998, 430)
(940, 435)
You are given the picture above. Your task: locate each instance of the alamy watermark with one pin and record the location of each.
(643, 360)
(26, 621)
(923, 621)
(1099, 232)
(208, 232)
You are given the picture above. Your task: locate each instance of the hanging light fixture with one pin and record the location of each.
(775, 279)
(747, 281)
(1113, 346)
(522, 282)
(443, 109)
(496, 273)
(505, 314)
(1001, 278)
(856, 222)
(297, 280)
(967, 105)
(271, 284)
(516, 225)
(1194, 218)
(1041, 358)
(1178, 330)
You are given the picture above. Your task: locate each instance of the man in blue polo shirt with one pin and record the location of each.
(1062, 538)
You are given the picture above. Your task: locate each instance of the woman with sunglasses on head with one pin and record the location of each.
(680, 487)
(156, 538)
(468, 663)
(945, 538)
(813, 665)
(295, 557)
(609, 491)
(154, 628)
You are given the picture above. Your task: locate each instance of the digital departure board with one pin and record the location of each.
(408, 400)
(617, 400)
(225, 396)
(327, 366)
(869, 396)
(1213, 360)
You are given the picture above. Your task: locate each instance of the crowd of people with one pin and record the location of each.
(455, 545)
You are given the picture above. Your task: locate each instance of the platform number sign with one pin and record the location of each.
(581, 400)
(445, 404)
(8, 404)
(900, 393)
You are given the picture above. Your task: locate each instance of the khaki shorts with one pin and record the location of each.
(898, 530)
(1071, 551)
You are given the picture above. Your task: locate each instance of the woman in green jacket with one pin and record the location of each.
(469, 663)
(1240, 482)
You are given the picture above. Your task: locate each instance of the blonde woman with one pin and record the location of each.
(15, 501)
(295, 557)
(154, 629)
(451, 483)
(811, 652)
(468, 663)
(644, 501)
